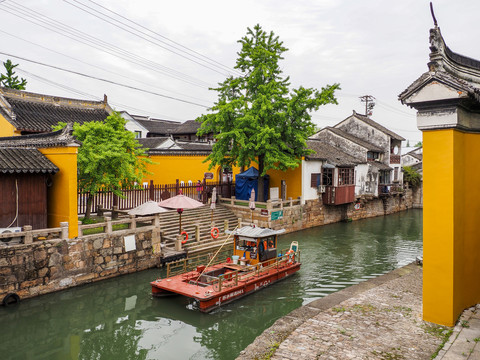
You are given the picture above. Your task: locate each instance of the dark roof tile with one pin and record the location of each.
(22, 160)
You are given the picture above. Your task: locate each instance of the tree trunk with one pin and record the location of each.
(260, 196)
(89, 206)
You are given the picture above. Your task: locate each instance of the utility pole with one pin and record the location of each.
(369, 101)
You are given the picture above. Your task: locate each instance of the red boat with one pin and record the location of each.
(254, 265)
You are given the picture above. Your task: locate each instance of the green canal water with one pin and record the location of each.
(119, 319)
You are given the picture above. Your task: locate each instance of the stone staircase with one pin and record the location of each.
(203, 218)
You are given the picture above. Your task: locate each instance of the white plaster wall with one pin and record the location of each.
(308, 168)
(133, 126)
(366, 180)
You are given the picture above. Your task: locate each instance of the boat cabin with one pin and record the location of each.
(253, 245)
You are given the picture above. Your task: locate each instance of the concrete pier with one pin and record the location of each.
(377, 319)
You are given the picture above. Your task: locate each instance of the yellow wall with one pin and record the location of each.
(168, 168)
(62, 196)
(6, 129)
(450, 231)
(293, 180)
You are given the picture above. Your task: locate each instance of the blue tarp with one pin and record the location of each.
(244, 182)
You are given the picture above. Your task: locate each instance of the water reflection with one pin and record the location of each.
(118, 318)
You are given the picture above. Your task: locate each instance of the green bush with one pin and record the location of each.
(411, 176)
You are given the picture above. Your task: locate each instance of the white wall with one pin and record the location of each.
(308, 168)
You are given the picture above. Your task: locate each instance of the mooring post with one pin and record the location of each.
(80, 230)
(197, 232)
(133, 223)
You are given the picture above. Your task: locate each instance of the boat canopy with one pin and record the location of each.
(255, 232)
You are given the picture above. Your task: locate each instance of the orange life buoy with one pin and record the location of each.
(184, 241)
(215, 233)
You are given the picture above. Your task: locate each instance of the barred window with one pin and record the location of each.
(346, 176)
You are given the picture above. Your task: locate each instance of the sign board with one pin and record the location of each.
(357, 206)
(208, 175)
(277, 215)
(264, 212)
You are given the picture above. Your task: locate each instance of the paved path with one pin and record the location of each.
(377, 319)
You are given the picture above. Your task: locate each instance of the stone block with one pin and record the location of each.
(107, 243)
(99, 260)
(5, 271)
(66, 259)
(3, 262)
(108, 259)
(69, 266)
(118, 250)
(140, 253)
(43, 272)
(40, 255)
(98, 244)
(85, 278)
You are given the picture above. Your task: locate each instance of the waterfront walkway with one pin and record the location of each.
(377, 319)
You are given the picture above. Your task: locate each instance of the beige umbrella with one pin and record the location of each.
(148, 208)
(180, 202)
(251, 204)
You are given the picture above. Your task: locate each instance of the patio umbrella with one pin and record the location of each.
(251, 204)
(214, 200)
(180, 202)
(148, 208)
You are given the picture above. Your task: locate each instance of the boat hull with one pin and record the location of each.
(211, 297)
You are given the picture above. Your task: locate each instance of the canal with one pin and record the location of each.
(119, 319)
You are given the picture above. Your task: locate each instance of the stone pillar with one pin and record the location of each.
(108, 227)
(178, 242)
(197, 232)
(133, 222)
(225, 225)
(28, 234)
(80, 230)
(64, 226)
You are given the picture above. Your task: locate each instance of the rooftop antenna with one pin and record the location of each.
(433, 15)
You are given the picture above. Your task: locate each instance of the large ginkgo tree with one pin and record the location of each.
(257, 118)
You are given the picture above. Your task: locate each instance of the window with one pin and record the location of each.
(384, 177)
(373, 155)
(138, 134)
(315, 180)
(327, 176)
(346, 176)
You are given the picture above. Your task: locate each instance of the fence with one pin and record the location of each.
(134, 197)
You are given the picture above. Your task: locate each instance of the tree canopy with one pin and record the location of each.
(256, 117)
(109, 157)
(9, 80)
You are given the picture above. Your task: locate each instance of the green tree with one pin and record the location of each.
(9, 80)
(256, 117)
(418, 144)
(109, 157)
(411, 176)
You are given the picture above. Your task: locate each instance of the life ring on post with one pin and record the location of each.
(184, 241)
(215, 232)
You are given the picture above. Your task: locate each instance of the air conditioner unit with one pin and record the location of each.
(10, 230)
(321, 189)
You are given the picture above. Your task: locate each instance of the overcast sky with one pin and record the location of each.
(181, 48)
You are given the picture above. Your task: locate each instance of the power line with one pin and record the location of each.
(104, 80)
(95, 66)
(195, 54)
(67, 31)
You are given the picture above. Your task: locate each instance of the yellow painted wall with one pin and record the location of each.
(168, 168)
(293, 180)
(62, 196)
(451, 250)
(6, 129)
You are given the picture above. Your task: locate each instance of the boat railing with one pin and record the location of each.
(191, 263)
(232, 278)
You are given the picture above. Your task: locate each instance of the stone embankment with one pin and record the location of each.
(377, 319)
(291, 215)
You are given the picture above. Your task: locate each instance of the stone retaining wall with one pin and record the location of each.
(315, 213)
(48, 266)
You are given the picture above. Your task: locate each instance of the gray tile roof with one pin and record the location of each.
(330, 154)
(152, 142)
(358, 141)
(36, 113)
(22, 160)
(44, 140)
(188, 127)
(157, 126)
(194, 145)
